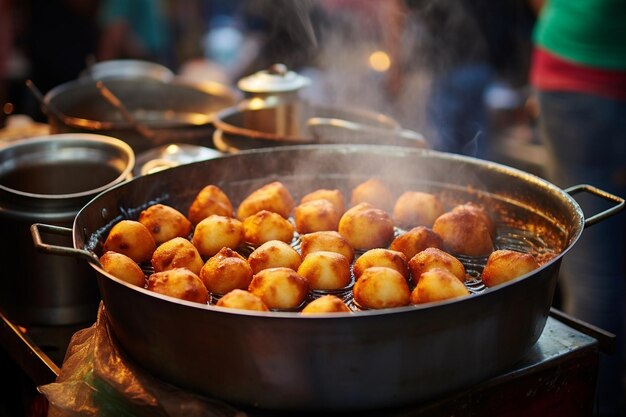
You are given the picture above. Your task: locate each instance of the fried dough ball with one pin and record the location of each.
(274, 197)
(333, 195)
(437, 284)
(164, 222)
(366, 227)
(272, 254)
(280, 288)
(327, 240)
(381, 257)
(373, 191)
(226, 271)
(325, 270)
(315, 216)
(416, 240)
(243, 300)
(328, 303)
(504, 265)
(431, 258)
(210, 200)
(122, 267)
(131, 238)
(179, 283)
(264, 226)
(464, 232)
(381, 287)
(177, 253)
(216, 232)
(480, 211)
(416, 208)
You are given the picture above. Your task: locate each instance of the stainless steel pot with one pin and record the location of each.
(178, 111)
(49, 179)
(274, 114)
(345, 361)
(255, 124)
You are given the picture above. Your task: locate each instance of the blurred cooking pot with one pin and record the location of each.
(247, 126)
(176, 111)
(362, 360)
(49, 178)
(274, 114)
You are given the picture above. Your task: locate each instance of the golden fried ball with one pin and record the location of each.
(216, 232)
(416, 240)
(131, 238)
(464, 233)
(328, 303)
(381, 257)
(375, 192)
(274, 197)
(416, 208)
(226, 271)
(333, 195)
(504, 265)
(210, 200)
(315, 216)
(280, 288)
(179, 283)
(272, 254)
(325, 270)
(366, 227)
(481, 212)
(431, 258)
(437, 284)
(265, 225)
(327, 240)
(381, 287)
(164, 222)
(177, 253)
(122, 267)
(243, 300)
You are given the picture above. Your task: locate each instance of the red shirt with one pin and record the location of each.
(551, 73)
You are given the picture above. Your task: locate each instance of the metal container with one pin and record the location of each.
(175, 111)
(48, 179)
(363, 360)
(274, 114)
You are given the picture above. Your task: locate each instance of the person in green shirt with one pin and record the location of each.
(579, 75)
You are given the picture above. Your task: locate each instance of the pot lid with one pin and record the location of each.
(275, 79)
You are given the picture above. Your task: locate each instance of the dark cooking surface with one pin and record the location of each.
(545, 366)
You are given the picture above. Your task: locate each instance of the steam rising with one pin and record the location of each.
(423, 41)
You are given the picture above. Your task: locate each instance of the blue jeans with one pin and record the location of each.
(458, 112)
(585, 137)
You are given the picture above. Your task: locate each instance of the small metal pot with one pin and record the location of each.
(273, 114)
(49, 178)
(253, 124)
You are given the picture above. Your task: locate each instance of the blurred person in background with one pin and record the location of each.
(579, 74)
(464, 47)
(6, 43)
(136, 29)
(57, 39)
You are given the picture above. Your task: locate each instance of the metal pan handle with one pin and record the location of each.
(602, 194)
(59, 250)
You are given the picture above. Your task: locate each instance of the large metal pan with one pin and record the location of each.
(346, 361)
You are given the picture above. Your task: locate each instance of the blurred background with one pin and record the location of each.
(457, 72)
